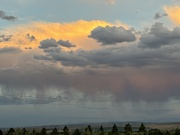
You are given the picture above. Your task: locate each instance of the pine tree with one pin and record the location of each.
(34, 132)
(101, 130)
(90, 129)
(177, 131)
(24, 131)
(54, 131)
(66, 130)
(114, 129)
(1, 132)
(128, 128)
(43, 131)
(142, 128)
(77, 132)
(11, 131)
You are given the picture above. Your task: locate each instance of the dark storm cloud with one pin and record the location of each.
(7, 17)
(112, 35)
(10, 50)
(160, 36)
(138, 85)
(68, 58)
(158, 15)
(65, 43)
(127, 56)
(127, 73)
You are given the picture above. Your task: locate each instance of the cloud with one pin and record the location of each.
(5, 38)
(31, 37)
(127, 85)
(39, 31)
(10, 50)
(28, 48)
(6, 17)
(47, 43)
(13, 100)
(125, 73)
(68, 58)
(131, 56)
(65, 43)
(160, 36)
(158, 16)
(112, 35)
(173, 13)
(110, 1)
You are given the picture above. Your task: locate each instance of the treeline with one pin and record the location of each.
(90, 131)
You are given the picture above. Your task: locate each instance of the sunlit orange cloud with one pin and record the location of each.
(76, 32)
(173, 13)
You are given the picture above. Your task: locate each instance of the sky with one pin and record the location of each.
(82, 61)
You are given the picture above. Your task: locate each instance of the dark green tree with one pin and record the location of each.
(77, 132)
(66, 130)
(128, 128)
(43, 131)
(34, 132)
(114, 129)
(86, 130)
(10, 131)
(89, 129)
(110, 133)
(54, 131)
(155, 132)
(1, 132)
(101, 130)
(142, 128)
(24, 131)
(177, 131)
(167, 133)
(38, 133)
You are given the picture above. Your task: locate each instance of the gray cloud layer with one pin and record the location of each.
(127, 56)
(9, 100)
(112, 35)
(145, 71)
(160, 36)
(137, 85)
(127, 73)
(10, 50)
(7, 17)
